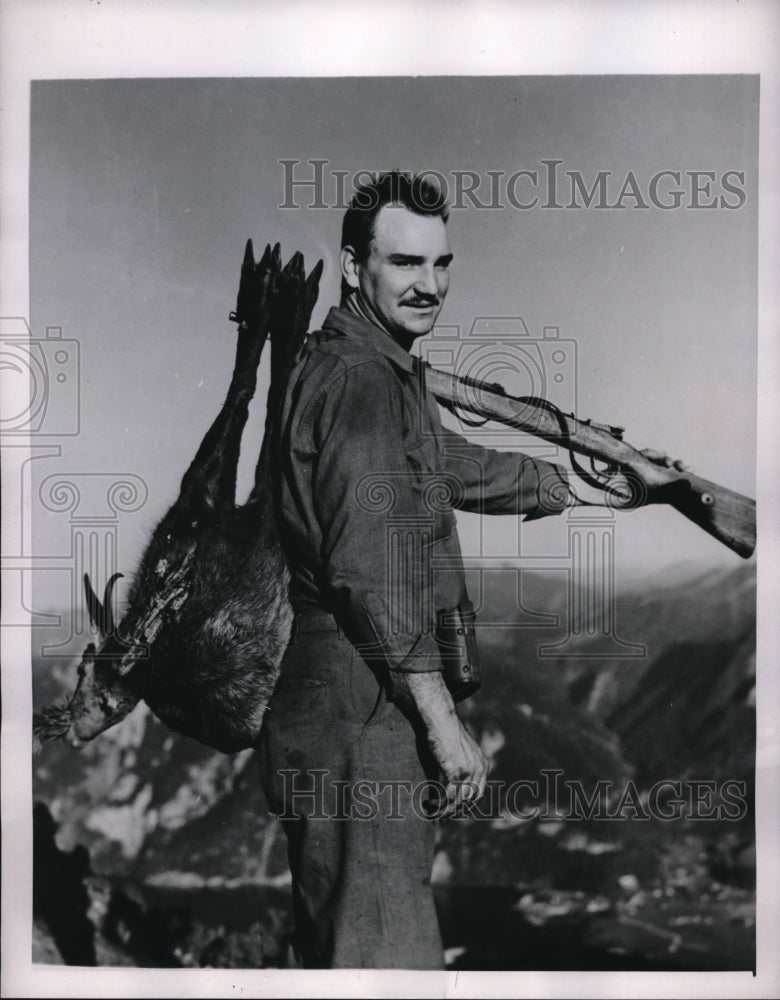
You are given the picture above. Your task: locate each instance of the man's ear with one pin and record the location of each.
(350, 268)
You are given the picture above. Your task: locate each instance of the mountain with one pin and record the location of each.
(163, 833)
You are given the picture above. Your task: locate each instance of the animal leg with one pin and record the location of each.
(209, 485)
(291, 309)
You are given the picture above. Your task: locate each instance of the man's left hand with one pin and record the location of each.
(652, 483)
(660, 458)
(637, 484)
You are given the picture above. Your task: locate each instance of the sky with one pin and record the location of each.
(143, 193)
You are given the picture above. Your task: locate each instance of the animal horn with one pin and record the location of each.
(94, 607)
(108, 612)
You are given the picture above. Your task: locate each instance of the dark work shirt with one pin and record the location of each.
(369, 480)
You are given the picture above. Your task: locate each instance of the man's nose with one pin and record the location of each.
(426, 283)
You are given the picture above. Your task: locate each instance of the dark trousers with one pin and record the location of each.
(340, 763)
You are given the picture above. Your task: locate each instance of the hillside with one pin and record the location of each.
(168, 854)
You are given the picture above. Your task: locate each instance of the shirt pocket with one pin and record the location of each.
(422, 455)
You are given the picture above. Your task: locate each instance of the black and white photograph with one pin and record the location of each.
(380, 463)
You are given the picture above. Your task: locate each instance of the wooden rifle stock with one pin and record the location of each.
(722, 513)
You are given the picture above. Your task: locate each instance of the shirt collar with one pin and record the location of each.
(355, 326)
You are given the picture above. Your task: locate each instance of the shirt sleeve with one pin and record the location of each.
(376, 530)
(498, 482)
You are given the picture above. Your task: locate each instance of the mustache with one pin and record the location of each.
(422, 300)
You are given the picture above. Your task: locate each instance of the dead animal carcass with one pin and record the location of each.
(208, 617)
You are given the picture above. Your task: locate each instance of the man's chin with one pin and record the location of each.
(421, 324)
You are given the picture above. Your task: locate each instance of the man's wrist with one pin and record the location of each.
(428, 694)
(621, 491)
(553, 493)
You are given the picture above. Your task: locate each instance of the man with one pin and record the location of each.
(363, 716)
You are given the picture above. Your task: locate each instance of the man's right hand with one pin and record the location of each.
(462, 763)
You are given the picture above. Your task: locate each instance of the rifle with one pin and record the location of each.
(722, 513)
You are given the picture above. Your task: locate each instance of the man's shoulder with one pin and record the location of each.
(339, 351)
(329, 355)
(332, 368)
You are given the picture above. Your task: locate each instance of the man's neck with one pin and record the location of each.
(354, 304)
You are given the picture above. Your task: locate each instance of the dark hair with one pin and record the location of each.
(417, 193)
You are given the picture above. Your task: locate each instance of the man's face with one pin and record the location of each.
(403, 282)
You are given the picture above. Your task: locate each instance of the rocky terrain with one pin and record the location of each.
(151, 850)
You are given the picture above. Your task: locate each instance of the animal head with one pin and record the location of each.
(108, 687)
(113, 674)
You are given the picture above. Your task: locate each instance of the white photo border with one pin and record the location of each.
(59, 39)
